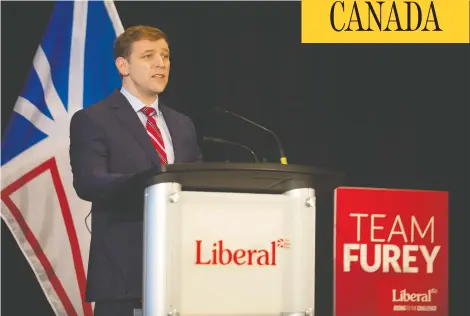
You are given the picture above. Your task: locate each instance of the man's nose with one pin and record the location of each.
(159, 61)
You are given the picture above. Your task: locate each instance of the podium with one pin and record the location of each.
(232, 239)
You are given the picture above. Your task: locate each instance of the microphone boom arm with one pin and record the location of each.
(220, 140)
(281, 148)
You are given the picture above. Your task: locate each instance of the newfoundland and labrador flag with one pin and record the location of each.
(73, 68)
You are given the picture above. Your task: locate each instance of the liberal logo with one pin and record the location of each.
(404, 296)
(221, 255)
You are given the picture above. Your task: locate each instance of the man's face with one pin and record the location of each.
(148, 66)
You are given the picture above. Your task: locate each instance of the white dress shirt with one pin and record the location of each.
(137, 105)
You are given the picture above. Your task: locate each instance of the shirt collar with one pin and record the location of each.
(136, 104)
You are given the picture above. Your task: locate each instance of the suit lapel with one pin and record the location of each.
(129, 118)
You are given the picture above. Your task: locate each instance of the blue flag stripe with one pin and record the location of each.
(19, 136)
(100, 73)
(35, 94)
(56, 45)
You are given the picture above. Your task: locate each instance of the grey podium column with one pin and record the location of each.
(306, 198)
(155, 251)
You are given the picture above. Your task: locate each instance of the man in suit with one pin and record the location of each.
(114, 144)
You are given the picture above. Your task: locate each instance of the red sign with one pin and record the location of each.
(391, 252)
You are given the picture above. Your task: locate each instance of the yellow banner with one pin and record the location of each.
(385, 21)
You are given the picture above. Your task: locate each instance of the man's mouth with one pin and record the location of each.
(158, 76)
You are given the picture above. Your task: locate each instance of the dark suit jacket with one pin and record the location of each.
(109, 152)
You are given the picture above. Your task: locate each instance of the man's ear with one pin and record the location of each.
(123, 66)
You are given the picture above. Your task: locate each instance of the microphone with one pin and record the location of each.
(220, 140)
(283, 158)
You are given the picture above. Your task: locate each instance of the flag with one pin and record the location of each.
(73, 68)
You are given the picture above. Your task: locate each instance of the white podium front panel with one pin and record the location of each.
(239, 254)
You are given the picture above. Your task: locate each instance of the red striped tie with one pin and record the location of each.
(154, 133)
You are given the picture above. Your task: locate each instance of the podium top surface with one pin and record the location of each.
(268, 178)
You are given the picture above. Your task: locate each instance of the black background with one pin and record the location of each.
(385, 115)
